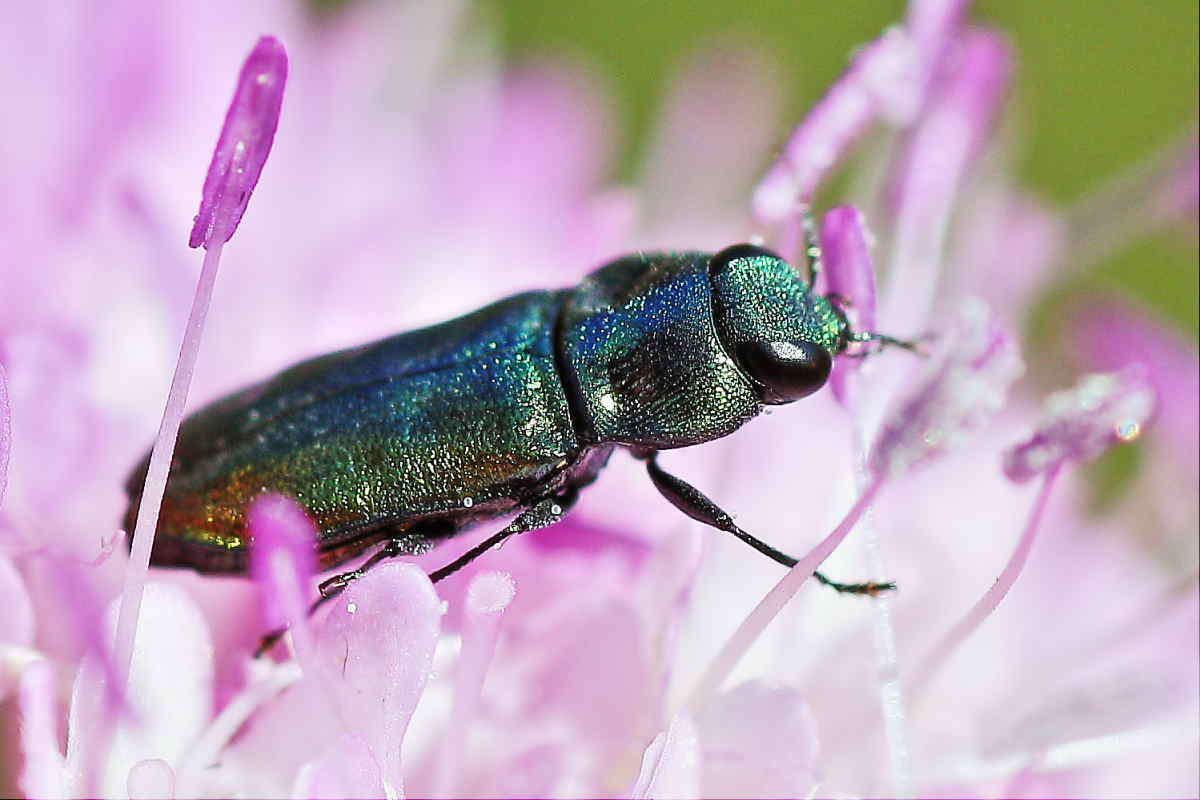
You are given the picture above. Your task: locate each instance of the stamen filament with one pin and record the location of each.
(160, 463)
(769, 607)
(983, 608)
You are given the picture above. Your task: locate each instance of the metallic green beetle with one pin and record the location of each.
(509, 410)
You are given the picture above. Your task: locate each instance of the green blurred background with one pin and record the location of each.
(1100, 86)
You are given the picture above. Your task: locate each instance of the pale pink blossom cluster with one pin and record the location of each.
(1037, 646)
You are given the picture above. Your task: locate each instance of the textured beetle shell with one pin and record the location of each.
(466, 419)
(650, 366)
(422, 434)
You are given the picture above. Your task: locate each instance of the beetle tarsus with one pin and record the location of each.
(695, 504)
(870, 588)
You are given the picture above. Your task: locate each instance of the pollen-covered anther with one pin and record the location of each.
(244, 144)
(963, 388)
(1080, 423)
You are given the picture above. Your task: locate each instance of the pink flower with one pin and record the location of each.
(406, 187)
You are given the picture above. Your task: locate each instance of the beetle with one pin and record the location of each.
(511, 409)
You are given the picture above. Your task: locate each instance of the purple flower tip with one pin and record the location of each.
(243, 145)
(963, 389)
(850, 274)
(1080, 423)
(284, 539)
(846, 247)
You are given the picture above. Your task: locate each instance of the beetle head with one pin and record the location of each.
(781, 334)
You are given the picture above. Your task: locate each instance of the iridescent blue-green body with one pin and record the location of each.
(415, 437)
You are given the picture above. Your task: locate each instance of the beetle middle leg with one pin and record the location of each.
(695, 504)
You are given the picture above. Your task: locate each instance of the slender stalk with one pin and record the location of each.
(156, 475)
(770, 606)
(891, 697)
(983, 608)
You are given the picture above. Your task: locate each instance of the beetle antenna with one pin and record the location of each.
(812, 247)
(915, 346)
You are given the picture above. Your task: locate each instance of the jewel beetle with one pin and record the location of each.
(511, 409)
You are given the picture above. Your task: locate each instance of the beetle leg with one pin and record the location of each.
(541, 514)
(692, 502)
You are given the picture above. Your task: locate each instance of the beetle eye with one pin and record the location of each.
(786, 371)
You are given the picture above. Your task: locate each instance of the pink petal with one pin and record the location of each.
(373, 652)
(378, 643)
(671, 764)
(347, 769)
(879, 84)
(120, 71)
(1181, 195)
(1079, 424)
(244, 144)
(1111, 335)
(850, 274)
(283, 558)
(17, 621)
(170, 695)
(697, 172)
(1007, 247)
(940, 152)
(45, 768)
(151, 779)
(488, 596)
(961, 391)
(935, 26)
(5, 433)
(758, 741)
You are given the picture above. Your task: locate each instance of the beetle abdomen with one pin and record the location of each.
(462, 419)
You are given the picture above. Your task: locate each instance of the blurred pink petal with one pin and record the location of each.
(118, 59)
(880, 84)
(936, 26)
(849, 274)
(488, 596)
(1008, 247)
(283, 559)
(170, 696)
(1109, 335)
(1080, 423)
(960, 392)
(5, 433)
(346, 769)
(995, 594)
(150, 779)
(379, 640)
(939, 155)
(758, 741)
(374, 650)
(1181, 194)
(671, 765)
(16, 624)
(697, 173)
(244, 144)
(44, 773)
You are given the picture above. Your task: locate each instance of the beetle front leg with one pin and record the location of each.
(696, 505)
